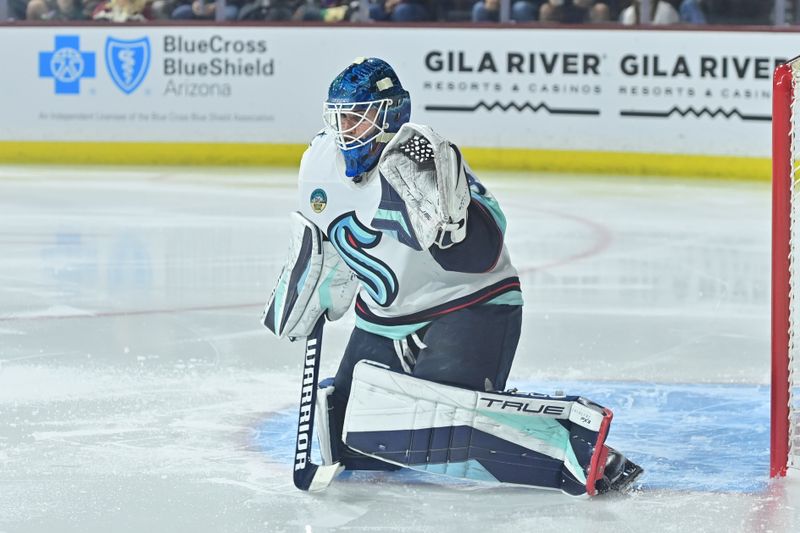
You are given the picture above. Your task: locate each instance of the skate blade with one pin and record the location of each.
(630, 474)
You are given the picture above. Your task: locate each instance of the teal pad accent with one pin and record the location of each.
(546, 430)
(280, 295)
(470, 469)
(324, 291)
(302, 281)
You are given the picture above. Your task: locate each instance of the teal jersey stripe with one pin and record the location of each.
(386, 214)
(390, 332)
(508, 298)
(404, 330)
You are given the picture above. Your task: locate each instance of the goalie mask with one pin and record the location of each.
(366, 106)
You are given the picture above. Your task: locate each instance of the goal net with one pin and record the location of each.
(785, 424)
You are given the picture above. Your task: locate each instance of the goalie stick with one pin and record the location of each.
(307, 475)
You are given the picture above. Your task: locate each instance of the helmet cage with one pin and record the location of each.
(356, 124)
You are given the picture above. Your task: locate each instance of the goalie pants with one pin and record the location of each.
(464, 348)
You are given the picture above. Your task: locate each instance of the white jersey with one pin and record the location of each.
(403, 288)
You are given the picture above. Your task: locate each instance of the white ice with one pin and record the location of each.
(139, 393)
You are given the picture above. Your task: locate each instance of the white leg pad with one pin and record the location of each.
(526, 439)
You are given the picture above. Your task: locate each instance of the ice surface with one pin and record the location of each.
(138, 391)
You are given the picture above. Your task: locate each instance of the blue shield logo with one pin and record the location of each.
(127, 62)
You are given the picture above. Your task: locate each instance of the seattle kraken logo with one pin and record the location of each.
(127, 62)
(350, 238)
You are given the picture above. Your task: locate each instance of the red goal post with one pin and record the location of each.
(785, 413)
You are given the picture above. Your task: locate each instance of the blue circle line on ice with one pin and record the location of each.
(688, 437)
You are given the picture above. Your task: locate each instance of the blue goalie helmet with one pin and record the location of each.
(366, 106)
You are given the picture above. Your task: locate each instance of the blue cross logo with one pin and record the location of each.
(67, 64)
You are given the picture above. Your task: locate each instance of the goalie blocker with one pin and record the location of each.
(314, 282)
(523, 439)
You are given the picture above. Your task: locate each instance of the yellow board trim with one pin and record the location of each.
(618, 163)
(239, 154)
(136, 153)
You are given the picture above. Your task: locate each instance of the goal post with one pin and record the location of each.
(785, 414)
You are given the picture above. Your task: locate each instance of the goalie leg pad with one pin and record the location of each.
(534, 440)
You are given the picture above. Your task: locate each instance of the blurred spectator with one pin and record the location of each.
(204, 10)
(574, 11)
(691, 12)
(664, 12)
(740, 11)
(162, 9)
(327, 11)
(121, 11)
(54, 10)
(16, 9)
(489, 11)
(266, 10)
(400, 11)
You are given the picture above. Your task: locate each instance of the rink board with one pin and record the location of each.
(602, 100)
(688, 437)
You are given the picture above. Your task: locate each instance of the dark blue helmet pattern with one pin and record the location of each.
(367, 86)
